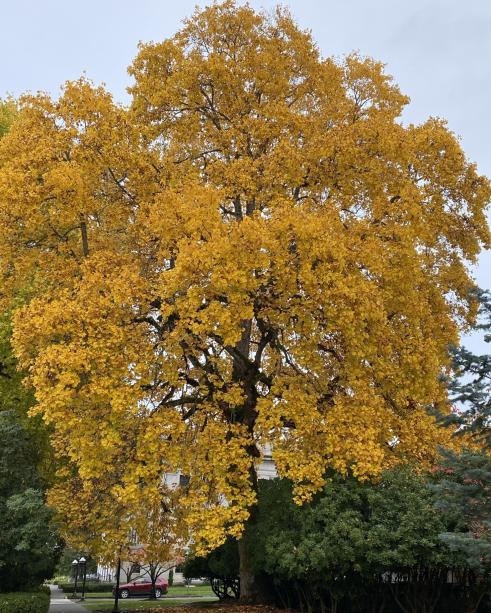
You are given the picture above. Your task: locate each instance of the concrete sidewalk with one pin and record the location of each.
(60, 603)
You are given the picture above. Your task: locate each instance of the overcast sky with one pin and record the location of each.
(439, 51)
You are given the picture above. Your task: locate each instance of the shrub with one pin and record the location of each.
(58, 579)
(24, 602)
(357, 547)
(90, 586)
(44, 589)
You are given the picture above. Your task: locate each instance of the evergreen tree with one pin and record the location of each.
(464, 490)
(470, 387)
(464, 494)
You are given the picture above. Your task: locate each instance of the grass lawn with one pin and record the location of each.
(225, 608)
(175, 590)
(193, 590)
(135, 605)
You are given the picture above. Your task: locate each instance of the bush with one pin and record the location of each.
(90, 586)
(222, 563)
(58, 579)
(24, 602)
(44, 589)
(357, 548)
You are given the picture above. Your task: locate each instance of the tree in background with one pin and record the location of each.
(130, 569)
(161, 532)
(29, 544)
(220, 566)
(65, 566)
(464, 489)
(255, 252)
(91, 515)
(358, 546)
(97, 517)
(470, 386)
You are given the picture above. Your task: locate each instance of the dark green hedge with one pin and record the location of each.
(24, 602)
(90, 586)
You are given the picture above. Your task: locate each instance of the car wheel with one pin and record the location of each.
(124, 594)
(158, 593)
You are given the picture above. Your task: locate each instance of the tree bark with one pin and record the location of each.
(116, 591)
(247, 579)
(254, 589)
(153, 579)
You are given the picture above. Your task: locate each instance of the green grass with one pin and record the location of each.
(92, 595)
(175, 590)
(136, 605)
(196, 590)
(178, 590)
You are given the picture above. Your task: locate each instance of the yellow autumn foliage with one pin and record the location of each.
(256, 251)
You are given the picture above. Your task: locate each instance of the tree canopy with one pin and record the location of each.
(256, 251)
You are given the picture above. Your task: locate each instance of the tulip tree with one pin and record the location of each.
(255, 251)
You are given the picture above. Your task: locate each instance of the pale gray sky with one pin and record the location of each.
(439, 51)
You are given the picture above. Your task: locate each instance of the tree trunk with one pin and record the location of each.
(247, 579)
(153, 579)
(116, 591)
(254, 589)
(153, 594)
(251, 587)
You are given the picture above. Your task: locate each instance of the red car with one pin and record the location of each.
(142, 587)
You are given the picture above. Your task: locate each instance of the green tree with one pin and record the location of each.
(464, 493)
(221, 566)
(357, 547)
(65, 567)
(29, 546)
(470, 387)
(357, 535)
(465, 486)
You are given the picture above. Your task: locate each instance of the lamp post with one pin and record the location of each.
(75, 572)
(83, 563)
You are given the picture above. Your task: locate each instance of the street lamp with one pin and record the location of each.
(83, 563)
(75, 572)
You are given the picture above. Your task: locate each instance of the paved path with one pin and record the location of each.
(60, 603)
